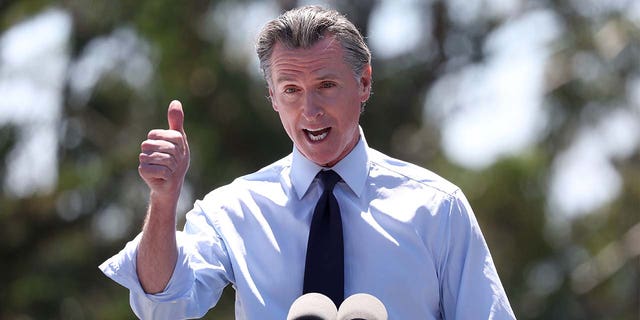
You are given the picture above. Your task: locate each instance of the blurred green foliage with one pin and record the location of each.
(52, 242)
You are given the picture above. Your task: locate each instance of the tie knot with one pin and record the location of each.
(329, 179)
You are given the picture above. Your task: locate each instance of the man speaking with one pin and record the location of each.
(334, 217)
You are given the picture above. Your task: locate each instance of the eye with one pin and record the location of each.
(290, 90)
(327, 84)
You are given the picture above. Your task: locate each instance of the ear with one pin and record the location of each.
(273, 101)
(365, 83)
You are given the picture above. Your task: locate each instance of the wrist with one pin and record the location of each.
(163, 205)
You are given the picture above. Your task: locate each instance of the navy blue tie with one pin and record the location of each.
(324, 268)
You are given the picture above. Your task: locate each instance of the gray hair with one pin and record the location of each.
(303, 27)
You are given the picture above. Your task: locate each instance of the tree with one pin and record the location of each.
(124, 61)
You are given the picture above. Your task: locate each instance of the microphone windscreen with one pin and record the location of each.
(312, 306)
(362, 306)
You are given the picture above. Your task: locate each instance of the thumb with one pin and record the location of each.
(175, 116)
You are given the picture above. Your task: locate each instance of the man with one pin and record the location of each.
(408, 236)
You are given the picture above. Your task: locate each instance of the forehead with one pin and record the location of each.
(326, 55)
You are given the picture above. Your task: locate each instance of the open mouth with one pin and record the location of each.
(317, 135)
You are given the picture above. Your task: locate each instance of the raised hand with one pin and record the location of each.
(164, 159)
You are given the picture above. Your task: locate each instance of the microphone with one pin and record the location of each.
(312, 306)
(362, 306)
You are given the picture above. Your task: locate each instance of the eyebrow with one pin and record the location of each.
(283, 78)
(328, 76)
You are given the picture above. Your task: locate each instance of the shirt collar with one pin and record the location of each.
(353, 169)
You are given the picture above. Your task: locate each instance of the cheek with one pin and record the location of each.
(288, 121)
(352, 112)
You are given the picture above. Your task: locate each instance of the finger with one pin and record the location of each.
(160, 159)
(175, 116)
(163, 134)
(156, 172)
(179, 140)
(150, 146)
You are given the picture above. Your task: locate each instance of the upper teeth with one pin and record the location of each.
(317, 137)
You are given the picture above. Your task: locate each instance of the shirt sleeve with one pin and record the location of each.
(470, 286)
(202, 271)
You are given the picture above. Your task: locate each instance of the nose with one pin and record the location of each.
(311, 108)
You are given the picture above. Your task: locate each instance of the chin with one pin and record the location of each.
(321, 161)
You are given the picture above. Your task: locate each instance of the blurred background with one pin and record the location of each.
(531, 106)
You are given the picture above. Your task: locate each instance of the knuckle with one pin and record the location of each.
(147, 145)
(154, 132)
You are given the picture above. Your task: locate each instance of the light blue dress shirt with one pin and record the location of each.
(410, 239)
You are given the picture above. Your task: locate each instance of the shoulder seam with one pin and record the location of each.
(448, 193)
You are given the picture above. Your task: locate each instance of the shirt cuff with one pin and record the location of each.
(121, 268)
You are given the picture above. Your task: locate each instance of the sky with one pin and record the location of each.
(486, 111)
(34, 58)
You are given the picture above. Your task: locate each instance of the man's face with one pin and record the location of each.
(318, 99)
